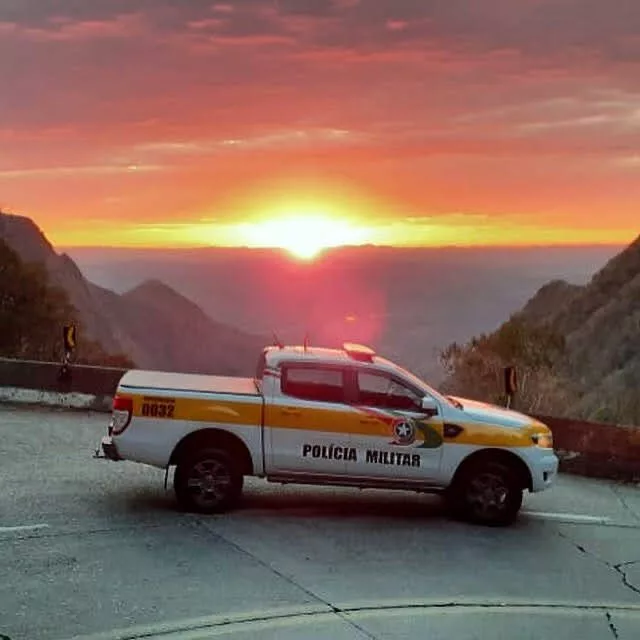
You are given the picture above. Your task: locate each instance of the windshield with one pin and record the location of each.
(419, 383)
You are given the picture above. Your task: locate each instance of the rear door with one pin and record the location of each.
(307, 420)
(394, 437)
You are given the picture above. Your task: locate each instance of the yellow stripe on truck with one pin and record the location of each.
(198, 410)
(355, 422)
(350, 421)
(346, 421)
(487, 435)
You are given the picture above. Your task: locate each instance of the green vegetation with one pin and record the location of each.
(577, 349)
(33, 313)
(476, 369)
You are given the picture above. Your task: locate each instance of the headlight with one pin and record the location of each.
(543, 440)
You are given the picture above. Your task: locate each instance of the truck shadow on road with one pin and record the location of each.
(346, 503)
(265, 502)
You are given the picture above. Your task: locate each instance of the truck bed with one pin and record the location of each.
(138, 379)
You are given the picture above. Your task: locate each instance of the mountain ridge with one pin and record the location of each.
(152, 323)
(600, 323)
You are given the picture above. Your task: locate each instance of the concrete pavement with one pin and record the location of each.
(94, 547)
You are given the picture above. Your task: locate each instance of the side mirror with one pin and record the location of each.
(429, 406)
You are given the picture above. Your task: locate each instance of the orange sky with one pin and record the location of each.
(158, 122)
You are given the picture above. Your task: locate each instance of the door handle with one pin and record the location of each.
(291, 412)
(368, 421)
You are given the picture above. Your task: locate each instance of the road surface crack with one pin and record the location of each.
(625, 578)
(612, 626)
(625, 504)
(618, 568)
(337, 611)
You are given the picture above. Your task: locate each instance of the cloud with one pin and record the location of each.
(67, 30)
(206, 23)
(397, 25)
(278, 141)
(222, 8)
(75, 171)
(261, 86)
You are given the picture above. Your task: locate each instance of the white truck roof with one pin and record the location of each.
(349, 353)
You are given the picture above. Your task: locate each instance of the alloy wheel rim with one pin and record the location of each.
(209, 482)
(488, 495)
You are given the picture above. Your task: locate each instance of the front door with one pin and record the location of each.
(307, 421)
(395, 438)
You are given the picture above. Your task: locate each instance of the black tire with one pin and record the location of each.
(207, 481)
(487, 493)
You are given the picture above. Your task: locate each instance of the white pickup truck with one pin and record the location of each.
(331, 417)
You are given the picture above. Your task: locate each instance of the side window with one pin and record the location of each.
(314, 383)
(380, 390)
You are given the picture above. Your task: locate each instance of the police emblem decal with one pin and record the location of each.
(404, 432)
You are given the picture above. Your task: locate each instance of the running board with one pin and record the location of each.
(360, 483)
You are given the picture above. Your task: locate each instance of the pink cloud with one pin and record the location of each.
(207, 44)
(346, 4)
(397, 25)
(206, 23)
(223, 8)
(66, 30)
(8, 28)
(404, 73)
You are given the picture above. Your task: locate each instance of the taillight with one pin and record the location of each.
(121, 414)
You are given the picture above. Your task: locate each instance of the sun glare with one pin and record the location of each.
(304, 236)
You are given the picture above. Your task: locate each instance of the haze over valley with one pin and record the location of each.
(408, 303)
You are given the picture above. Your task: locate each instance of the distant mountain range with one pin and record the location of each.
(152, 324)
(407, 303)
(158, 306)
(600, 322)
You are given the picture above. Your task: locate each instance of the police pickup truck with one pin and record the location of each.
(330, 417)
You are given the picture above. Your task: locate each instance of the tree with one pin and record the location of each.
(476, 369)
(33, 314)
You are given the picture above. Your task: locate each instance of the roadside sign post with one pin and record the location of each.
(510, 384)
(69, 336)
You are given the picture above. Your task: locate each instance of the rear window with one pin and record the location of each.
(322, 384)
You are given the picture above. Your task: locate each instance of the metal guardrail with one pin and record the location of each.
(45, 376)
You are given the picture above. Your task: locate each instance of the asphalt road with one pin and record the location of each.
(94, 547)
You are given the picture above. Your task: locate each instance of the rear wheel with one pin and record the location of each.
(207, 482)
(487, 493)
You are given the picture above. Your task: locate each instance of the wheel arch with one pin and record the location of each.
(214, 438)
(504, 456)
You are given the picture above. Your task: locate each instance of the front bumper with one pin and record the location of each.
(544, 471)
(109, 449)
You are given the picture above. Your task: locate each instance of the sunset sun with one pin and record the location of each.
(304, 235)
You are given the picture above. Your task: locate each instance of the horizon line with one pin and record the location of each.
(404, 247)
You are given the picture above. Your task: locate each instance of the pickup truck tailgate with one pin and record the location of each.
(166, 382)
(166, 407)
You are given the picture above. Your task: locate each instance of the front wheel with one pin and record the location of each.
(207, 482)
(486, 493)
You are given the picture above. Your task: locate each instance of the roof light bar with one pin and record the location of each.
(359, 352)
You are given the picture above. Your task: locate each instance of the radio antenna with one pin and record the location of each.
(276, 341)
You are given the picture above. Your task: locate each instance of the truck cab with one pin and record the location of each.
(333, 413)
